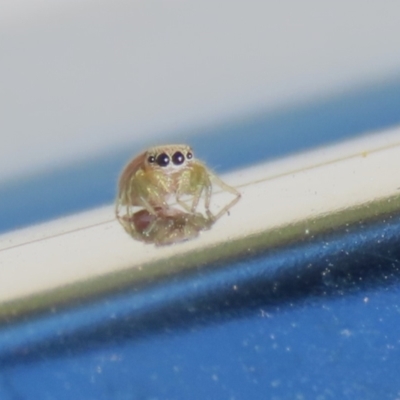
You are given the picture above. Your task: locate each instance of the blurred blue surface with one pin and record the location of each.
(236, 144)
(314, 320)
(318, 319)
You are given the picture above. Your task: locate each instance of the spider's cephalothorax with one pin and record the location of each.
(163, 173)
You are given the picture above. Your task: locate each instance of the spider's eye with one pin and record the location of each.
(163, 160)
(178, 158)
(189, 155)
(151, 159)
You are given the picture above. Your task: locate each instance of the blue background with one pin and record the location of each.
(318, 319)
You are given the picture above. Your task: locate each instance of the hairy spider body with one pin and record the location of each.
(167, 173)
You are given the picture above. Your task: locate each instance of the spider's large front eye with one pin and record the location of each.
(178, 158)
(163, 160)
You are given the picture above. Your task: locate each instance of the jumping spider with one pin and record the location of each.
(163, 173)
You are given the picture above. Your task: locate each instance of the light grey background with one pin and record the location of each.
(79, 78)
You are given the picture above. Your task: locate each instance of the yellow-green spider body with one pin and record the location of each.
(161, 176)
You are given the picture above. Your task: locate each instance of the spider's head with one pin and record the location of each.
(169, 157)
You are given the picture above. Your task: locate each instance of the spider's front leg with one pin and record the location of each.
(215, 179)
(194, 181)
(139, 191)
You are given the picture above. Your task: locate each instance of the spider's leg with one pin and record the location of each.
(197, 197)
(214, 178)
(182, 203)
(226, 208)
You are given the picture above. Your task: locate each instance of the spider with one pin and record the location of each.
(160, 173)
